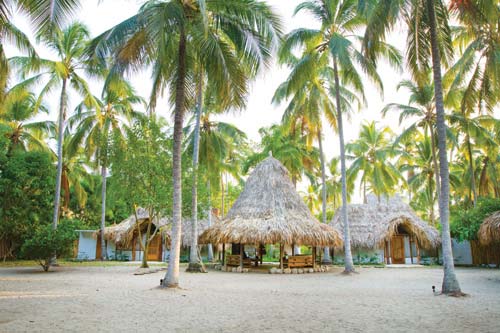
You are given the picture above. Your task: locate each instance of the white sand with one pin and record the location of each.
(376, 300)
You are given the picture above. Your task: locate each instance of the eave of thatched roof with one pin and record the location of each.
(375, 222)
(124, 232)
(187, 228)
(270, 211)
(489, 231)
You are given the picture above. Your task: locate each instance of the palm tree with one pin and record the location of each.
(44, 15)
(16, 111)
(339, 22)
(370, 155)
(93, 127)
(69, 45)
(428, 37)
(170, 35)
(420, 106)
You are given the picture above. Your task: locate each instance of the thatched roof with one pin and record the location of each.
(373, 223)
(270, 211)
(123, 232)
(489, 231)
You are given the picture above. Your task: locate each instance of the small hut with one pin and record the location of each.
(388, 230)
(489, 231)
(125, 236)
(270, 211)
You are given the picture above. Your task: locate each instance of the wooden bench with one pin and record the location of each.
(234, 260)
(300, 261)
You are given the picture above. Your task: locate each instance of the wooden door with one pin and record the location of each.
(154, 250)
(398, 250)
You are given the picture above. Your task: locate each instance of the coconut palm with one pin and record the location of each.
(371, 154)
(69, 45)
(93, 127)
(17, 111)
(337, 36)
(428, 38)
(171, 35)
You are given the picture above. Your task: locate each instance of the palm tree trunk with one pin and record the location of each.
(60, 140)
(450, 282)
(209, 246)
(326, 251)
(349, 265)
(222, 194)
(471, 167)
(195, 263)
(104, 254)
(435, 163)
(172, 276)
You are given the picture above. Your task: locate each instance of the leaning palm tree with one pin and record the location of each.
(171, 35)
(428, 38)
(94, 126)
(69, 45)
(337, 36)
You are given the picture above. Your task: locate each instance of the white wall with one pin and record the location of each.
(86, 246)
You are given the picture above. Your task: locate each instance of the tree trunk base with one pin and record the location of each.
(196, 267)
(349, 272)
(455, 294)
(326, 262)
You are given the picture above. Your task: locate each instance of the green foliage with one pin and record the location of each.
(465, 221)
(26, 192)
(47, 241)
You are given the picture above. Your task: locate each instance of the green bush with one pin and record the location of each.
(465, 221)
(47, 241)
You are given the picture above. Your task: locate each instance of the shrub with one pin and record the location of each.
(47, 241)
(465, 222)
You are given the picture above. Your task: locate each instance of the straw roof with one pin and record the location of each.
(123, 233)
(489, 231)
(373, 223)
(270, 211)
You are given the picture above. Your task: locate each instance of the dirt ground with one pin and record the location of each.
(88, 299)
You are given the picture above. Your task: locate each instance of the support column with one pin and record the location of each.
(314, 256)
(389, 257)
(411, 251)
(418, 252)
(241, 256)
(293, 249)
(223, 254)
(281, 256)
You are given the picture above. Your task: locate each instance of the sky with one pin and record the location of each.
(102, 15)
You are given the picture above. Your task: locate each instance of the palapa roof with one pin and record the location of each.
(270, 211)
(372, 223)
(489, 231)
(123, 232)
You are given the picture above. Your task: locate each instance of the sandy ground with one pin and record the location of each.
(93, 299)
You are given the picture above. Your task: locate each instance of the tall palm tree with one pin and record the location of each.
(371, 154)
(170, 35)
(337, 36)
(17, 111)
(69, 45)
(428, 38)
(420, 106)
(94, 126)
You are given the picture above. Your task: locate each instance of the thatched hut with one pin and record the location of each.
(270, 211)
(390, 228)
(125, 236)
(489, 231)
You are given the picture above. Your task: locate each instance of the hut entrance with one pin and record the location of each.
(398, 249)
(155, 248)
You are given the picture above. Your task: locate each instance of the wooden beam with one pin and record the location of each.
(389, 250)
(281, 256)
(293, 249)
(133, 248)
(411, 251)
(241, 256)
(314, 256)
(418, 252)
(223, 254)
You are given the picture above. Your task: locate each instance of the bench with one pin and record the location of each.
(234, 260)
(300, 261)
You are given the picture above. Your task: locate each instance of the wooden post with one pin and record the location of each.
(386, 259)
(133, 249)
(418, 252)
(314, 256)
(241, 256)
(281, 256)
(223, 254)
(389, 257)
(411, 251)
(293, 249)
